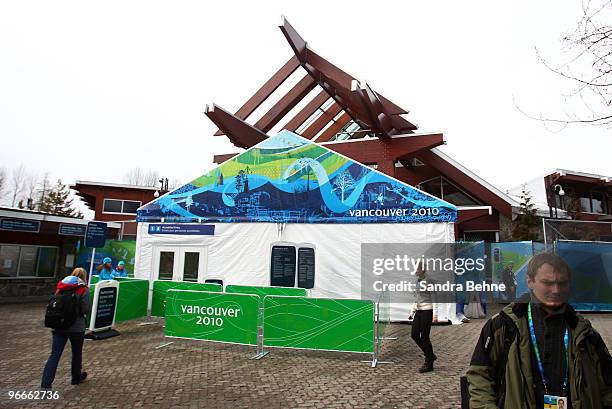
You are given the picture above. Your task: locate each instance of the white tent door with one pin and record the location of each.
(180, 264)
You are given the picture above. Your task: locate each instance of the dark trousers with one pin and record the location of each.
(421, 325)
(59, 342)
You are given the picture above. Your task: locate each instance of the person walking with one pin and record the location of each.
(423, 318)
(538, 351)
(75, 284)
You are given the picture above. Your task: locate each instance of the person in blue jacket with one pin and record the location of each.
(105, 270)
(120, 271)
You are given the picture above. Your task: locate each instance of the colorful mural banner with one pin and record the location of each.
(290, 179)
(591, 265)
(161, 288)
(509, 267)
(117, 250)
(212, 316)
(319, 324)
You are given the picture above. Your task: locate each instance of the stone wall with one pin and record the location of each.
(26, 289)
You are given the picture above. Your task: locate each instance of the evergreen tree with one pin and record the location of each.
(526, 223)
(57, 202)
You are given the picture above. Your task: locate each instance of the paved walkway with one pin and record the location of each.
(129, 371)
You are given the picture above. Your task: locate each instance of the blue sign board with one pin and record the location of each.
(9, 223)
(67, 229)
(187, 229)
(95, 236)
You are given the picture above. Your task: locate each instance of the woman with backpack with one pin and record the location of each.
(65, 314)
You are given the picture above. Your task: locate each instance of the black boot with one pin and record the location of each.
(427, 367)
(80, 380)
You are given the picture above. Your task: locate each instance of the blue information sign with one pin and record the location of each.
(95, 236)
(68, 229)
(9, 223)
(178, 228)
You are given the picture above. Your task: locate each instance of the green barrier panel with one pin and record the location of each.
(319, 323)
(263, 291)
(212, 316)
(132, 301)
(95, 279)
(160, 290)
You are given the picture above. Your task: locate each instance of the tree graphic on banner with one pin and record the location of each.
(344, 181)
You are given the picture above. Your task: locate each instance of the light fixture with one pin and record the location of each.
(156, 194)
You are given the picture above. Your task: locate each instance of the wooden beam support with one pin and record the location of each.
(306, 112)
(326, 117)
(266, 90)
(378, 150)
(223, 157)
(237, 130)
(334, 128)
(286, 103)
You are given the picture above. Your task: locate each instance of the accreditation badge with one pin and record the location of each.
(555, 402)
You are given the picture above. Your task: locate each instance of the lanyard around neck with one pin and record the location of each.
(534, 342)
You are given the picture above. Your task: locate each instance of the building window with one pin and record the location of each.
(444, 189)
(112, 206)
(593, 202)
(121, 206)
(27, 261)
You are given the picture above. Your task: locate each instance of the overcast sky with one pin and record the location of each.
(90, 90)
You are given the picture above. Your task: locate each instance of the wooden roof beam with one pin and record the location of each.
(239, 132)
(337, 83)
(286, 103)
(334, 128)
(326, 117)
(306, 112)
(379, 150)
(219, 159)
(266, 90)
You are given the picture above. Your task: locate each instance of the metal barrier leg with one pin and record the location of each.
(164, 345)
(261, 352)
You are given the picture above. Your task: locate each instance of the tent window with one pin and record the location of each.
(190, 267)
(166, 265)
(282, 266)
(306, 267)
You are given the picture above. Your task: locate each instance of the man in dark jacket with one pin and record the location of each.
(538, 348)
(75, 333)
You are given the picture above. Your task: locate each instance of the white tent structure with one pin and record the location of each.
(287, 212)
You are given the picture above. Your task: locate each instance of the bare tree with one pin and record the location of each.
(587, 66)
(151, 178)
(134, 176)
(3, 183)
(18, 178)
(139, 177)
(174, 183)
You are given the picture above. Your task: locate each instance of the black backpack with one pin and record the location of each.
(63, 309)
